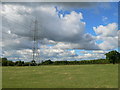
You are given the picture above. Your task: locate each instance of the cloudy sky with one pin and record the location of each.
(65, 31)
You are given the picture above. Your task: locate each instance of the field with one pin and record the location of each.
(61, 76)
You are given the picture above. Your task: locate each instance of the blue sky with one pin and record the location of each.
(92, 36)
(95, 16)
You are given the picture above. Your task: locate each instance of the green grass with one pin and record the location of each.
(61, 76)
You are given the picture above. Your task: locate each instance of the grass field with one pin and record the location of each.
(62, 76)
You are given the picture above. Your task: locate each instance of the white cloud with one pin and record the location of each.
(68, 29)
(109, 30)
(119, 38)
(108, 34)
(83, 52)
(109, 43)
(61, 32)
(104, 19)
(100, 52)
(24, 54)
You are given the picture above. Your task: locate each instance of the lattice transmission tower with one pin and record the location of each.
(35, 49)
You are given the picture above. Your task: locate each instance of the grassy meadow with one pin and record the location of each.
(61, 76)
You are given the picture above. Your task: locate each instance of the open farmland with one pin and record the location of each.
(61, 76)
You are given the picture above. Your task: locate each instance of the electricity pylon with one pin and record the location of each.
(35, 48)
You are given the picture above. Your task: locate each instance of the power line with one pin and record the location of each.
(26, 26)
(15, 21)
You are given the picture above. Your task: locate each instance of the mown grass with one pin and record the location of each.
(61, 76)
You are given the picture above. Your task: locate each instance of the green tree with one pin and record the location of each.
(47, 62)
(113, 56)
(10, 63)
(33, 63)
(4, 62)
(26, 64)
(19, 63)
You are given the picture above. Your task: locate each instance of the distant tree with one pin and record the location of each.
(26, 64)
(33, 63)
(0, 61)
(22, 63)
(47, 62)
(19, 63)
(10, 63)
(4, 59)
(113, 56)
(4, 62)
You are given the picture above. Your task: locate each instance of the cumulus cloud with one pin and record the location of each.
(118, 38)
(108, 31)
(61, 5)
(93, 54)
(55, 33)
(108, 34)
(67, 5)
(68, 29)
(24, 54)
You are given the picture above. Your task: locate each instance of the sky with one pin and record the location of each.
(65, 31)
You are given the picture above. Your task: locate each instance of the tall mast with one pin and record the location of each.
(35, 41)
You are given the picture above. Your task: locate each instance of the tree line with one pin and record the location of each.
(111, 57)
(6, 62)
